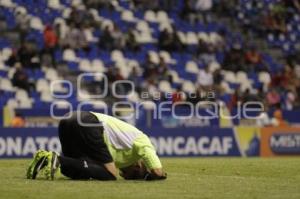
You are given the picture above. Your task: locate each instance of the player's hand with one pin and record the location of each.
(156, 174)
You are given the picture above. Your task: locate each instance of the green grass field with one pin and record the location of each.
(187, 178)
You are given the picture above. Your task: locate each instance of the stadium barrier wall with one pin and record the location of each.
(177, 142)
(283, 141)
(41, 117)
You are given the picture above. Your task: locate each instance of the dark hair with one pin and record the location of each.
(134, 172)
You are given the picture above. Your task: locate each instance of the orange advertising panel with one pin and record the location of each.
(281, 141)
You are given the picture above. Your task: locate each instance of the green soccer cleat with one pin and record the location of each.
(53, 165)
(38, 163)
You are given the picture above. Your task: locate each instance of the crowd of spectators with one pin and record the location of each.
(78, 31)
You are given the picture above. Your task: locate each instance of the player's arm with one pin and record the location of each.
(147, 154)
(153, 163)
(111, 167)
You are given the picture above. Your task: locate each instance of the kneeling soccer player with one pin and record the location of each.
(94, 145)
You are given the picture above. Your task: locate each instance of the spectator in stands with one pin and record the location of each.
(113, 74)
(252, 56)
(296, 4)
(277, 116)
(263, 119)
(120, 88)
(289, 100)
(293, 59)
(166, 40)
(106, 40)
(110, 75)
(217, 79)
(279, 8)
(275, 24)
(150, 68)
(273, 98)
(130, 40)
(188, 11)
(18, 121)
(201, 48)
(135, 78)
(297, 70)
(112, 38)
(13, 59)
(169, 41)
(22, 24)
(138, 4)
(59, 30)
(50, 38)
(195, 97)
(146, 5)
(296, 83)
(75, 38)
(203, 8)
(261, 94)
(82, 40)
(278, 80)
(149, 90)
(234, 59)
(28, 56)
(235, 99)
(208, 54)
(290, 77)
(248, 96)
(118, 75)
(117, 37)
(254, 60)
(168, 5)
(88, 32)
(177, 45)
(77, 16)
(297, 94)
(177, 96)
(163, 70)
(99, 4)
(219, 40)
(50, 43)
(225, 7)
(205, 79)
(20, 78)
(283, 79)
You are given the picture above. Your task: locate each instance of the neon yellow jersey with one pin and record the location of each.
(127, 144)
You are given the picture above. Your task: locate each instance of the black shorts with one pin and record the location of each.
(83, 142)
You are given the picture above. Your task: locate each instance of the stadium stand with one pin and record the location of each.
(242, 50)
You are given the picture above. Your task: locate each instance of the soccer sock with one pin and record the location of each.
(82, 169)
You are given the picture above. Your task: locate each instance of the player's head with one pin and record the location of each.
(134, 172)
